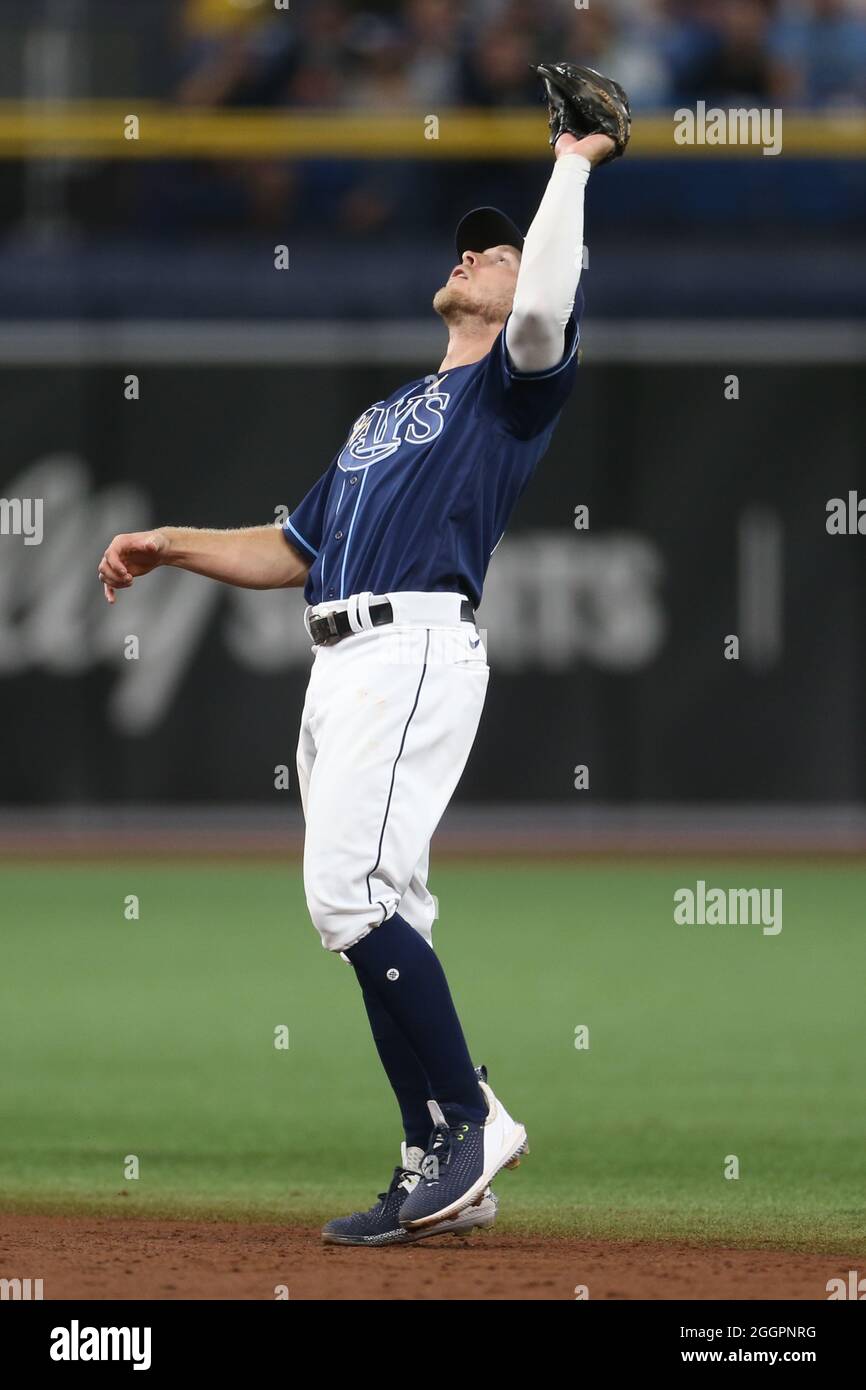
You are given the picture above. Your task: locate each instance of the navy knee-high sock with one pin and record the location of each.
(402, 1068)
(405, 975)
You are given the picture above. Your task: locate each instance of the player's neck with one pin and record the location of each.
(468, 343)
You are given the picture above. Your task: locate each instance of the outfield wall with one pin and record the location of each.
(706, 520)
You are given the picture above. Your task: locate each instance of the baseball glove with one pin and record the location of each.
(583, 102)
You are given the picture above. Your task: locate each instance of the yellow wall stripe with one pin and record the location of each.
(97, 132)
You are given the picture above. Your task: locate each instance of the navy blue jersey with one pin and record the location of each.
(421, 492)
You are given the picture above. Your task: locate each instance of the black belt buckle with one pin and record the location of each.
(324, 629)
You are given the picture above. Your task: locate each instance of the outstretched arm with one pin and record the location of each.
(256, 557)
(552, 258)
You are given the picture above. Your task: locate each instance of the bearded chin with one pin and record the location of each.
(455, 307)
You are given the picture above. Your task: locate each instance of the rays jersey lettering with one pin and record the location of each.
(422, 489)
(379, 432)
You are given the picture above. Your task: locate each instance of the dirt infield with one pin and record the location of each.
(106, 1258)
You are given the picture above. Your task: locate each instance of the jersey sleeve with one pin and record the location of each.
(305, 524)
(525, 403)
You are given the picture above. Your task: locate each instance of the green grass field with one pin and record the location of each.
(155, 1038)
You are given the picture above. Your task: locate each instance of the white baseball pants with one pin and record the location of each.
(389, 719)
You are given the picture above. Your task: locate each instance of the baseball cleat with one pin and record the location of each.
(481, 1073)
(381, 1224)
(462, 1159)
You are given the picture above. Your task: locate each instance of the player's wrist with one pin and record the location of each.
(572, 166)
(170, 550)
(593, 148)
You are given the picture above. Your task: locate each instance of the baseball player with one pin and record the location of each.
(392, 545)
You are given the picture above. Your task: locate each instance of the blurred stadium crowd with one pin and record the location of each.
(181, 236)
(427, 54)
(376, 56)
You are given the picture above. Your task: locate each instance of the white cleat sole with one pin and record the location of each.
(481, 1215)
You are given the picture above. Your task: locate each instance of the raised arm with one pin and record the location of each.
(590, 123)
(256, 557)
(552, 258)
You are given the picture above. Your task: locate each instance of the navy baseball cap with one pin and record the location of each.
(483, 227)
